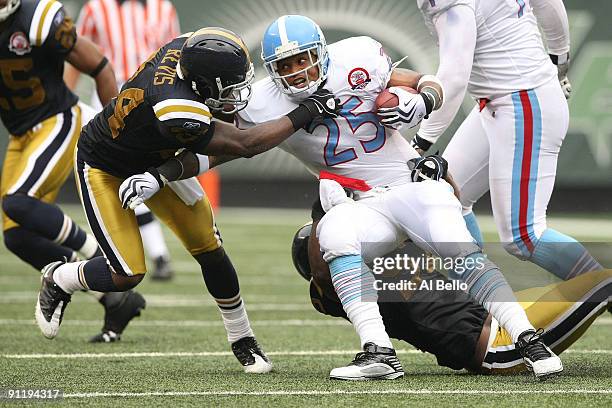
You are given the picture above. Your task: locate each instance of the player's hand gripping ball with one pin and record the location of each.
(400, 106)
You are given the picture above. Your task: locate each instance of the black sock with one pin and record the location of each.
(219, 274)
(47, 220)
(98, 275)
(34, 249)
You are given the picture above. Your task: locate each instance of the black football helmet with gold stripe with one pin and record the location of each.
(217, 63)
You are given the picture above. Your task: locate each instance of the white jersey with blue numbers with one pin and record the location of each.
(354, 144)
(509, 54)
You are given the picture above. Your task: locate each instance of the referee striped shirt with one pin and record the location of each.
(128, 31)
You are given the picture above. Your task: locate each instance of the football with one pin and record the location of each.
(386, 99)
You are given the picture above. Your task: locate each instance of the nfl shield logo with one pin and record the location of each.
(19, 44)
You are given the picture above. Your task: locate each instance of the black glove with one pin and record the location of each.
(432, 167)
(320, 105)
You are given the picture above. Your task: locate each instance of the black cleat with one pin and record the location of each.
(119, 309)
(539, 359)
(374, 363)
(162, 271)
(51, 303)
(251, 356)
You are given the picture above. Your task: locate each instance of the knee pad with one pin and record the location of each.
(337, 233)
(17, 206)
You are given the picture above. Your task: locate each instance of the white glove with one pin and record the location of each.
(410, 111)
(138, 188)
(562, 62)
(331, 194)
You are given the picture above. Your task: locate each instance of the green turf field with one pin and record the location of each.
(176, 353)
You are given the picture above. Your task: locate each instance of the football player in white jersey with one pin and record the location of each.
(355, 151)
(510, 141)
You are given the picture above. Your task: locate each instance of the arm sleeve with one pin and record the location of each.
(186, 121)
(456, 30)
(552, 18)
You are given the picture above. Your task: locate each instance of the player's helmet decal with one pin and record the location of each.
(217, 64)
(10, 8)
(288, 36)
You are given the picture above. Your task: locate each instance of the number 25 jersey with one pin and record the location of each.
(354, 144)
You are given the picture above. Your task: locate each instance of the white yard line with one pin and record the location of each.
(188, 323)
(289, 393)
(213, 323)
(224, 354)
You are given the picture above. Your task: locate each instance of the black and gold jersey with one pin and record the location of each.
(155, 114)
(34, 43)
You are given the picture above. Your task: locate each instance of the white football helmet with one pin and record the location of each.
(10, 8)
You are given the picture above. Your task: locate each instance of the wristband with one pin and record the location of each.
(300, 117)
(99, 68)
(560, 59)
(419, 143)
(204, 163)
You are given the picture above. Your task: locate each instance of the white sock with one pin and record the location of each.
(511, 316)
(89, 248)
(355, 288)
(235, 318)
(368, 323)
(152, 236)
(68, 277)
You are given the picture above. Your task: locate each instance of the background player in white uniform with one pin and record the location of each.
(510, 141)
(358, 152)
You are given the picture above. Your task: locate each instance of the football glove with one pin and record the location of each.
(322, 104)
(562, 62)
(138, 188)
(410, 111)
(434, 167)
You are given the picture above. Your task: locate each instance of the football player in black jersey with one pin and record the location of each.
(44, 121)
(149, 136)
(452, 326)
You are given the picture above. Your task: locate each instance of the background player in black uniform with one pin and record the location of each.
(44, 122)
(129, 148)
(456, 329)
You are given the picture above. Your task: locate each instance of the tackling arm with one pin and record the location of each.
(87, 58)
(456, 29)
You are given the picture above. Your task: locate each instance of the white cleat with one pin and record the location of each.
(251, 356)
(539, 359)
(51, 303)
(374, 363)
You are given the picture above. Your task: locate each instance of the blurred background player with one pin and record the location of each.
(128, 32)
(510, 142)
(128, 153)
(44, 120)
